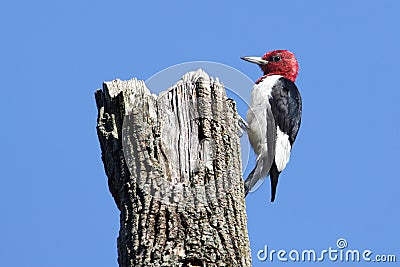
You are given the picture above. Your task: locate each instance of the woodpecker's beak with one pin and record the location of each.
(256, 60)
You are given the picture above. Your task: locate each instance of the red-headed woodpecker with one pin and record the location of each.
(273, 117)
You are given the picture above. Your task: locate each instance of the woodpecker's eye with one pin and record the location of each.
(276, 58)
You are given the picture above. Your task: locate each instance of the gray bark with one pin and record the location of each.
(173, 163)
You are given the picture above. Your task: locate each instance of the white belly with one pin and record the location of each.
(256, 115)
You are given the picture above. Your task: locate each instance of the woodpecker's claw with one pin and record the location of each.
(242, 125)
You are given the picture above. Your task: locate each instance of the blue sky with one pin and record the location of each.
(342, 180)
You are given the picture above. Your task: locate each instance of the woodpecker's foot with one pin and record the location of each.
(243, 125)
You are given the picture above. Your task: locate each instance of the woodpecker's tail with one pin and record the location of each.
(254, 180)
(274, 175)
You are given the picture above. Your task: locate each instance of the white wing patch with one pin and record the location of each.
(282, 150)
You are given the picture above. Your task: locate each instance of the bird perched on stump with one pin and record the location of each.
(273, 117)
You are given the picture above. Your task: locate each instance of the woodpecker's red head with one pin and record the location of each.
(277, 62)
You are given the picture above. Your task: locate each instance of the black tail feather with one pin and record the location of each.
(274, 175)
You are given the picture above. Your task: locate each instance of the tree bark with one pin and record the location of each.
(173, 163)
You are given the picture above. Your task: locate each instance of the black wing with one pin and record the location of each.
(286, 107)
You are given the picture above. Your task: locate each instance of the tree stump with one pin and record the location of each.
(173, 163)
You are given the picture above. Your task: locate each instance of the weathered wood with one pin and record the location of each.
(174, 169)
